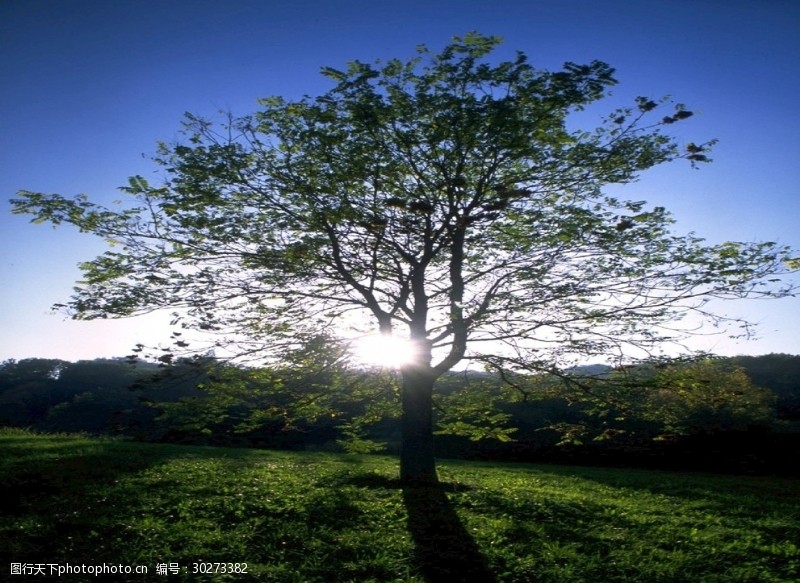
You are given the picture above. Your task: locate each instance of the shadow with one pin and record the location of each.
(444, 551)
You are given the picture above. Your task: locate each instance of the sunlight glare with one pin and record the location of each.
(383, 350)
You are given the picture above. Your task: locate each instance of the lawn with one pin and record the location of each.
(201, 514)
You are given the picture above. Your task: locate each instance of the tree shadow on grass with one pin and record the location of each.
(444, 551)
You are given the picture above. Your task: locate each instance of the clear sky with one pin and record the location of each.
(87, 88)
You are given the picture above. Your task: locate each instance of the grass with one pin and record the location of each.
(308, 517)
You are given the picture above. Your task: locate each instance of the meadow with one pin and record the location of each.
(199, 514)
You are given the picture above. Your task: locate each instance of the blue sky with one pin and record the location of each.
(87, 88)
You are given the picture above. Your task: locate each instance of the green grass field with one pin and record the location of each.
(309, 517)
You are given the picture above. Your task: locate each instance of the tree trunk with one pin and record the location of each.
(417, 459)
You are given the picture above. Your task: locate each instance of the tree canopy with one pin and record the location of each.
(443, 198)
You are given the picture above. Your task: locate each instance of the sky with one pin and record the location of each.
(88, 87)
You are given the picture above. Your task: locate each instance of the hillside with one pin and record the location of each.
(291, 517)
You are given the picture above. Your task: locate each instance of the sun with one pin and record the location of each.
(383, 350)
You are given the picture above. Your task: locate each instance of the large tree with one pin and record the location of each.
(444, 198)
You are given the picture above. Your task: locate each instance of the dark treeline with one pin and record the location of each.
(737, 414)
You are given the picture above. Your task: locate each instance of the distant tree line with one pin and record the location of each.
(727, 414)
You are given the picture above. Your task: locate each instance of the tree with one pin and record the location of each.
(781, 374)
(28, 389)
(443, 196)
(710, 396)
(51, 394)
(702, 396)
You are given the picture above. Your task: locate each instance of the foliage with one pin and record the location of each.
(283, 405)
(654, 401)
(708, 396)
(778, 373)
(336, 519)
(471, 406)
(91, 396)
